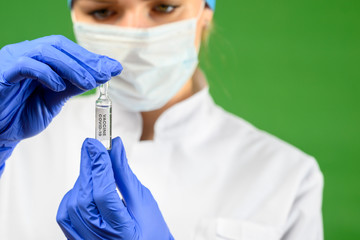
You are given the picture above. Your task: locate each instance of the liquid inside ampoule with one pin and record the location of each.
(103, 116)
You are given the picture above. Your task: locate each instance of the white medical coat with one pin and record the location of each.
(214, 175)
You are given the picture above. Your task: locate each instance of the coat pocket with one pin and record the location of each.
(232, 229)
(229, 229)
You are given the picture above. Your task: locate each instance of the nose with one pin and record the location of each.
(133, 18)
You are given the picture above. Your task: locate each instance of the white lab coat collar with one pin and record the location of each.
(184, 114)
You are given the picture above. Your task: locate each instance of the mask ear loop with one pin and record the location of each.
(197, 18)
(73, 18)
(202, 7)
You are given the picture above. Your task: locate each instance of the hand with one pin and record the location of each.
(36, 79)
(93, 208)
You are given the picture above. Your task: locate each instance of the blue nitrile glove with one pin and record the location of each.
(36, 79)
(93, 208)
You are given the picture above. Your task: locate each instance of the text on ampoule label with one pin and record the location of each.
(103, 123)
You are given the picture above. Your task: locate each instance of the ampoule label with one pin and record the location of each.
(103, 123)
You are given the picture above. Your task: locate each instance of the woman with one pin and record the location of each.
(208, 174)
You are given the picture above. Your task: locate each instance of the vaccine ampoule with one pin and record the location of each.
(103, 117)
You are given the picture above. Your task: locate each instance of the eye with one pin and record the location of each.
(164, 8)
(102, 14)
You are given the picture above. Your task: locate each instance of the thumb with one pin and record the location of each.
(130, 187)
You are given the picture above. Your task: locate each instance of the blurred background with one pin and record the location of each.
(291, 68)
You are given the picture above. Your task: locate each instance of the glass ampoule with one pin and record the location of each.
(103, 117)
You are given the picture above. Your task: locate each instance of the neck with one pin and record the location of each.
(193, 85)
(150, 118)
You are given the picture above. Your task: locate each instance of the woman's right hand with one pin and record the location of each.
(36, 79)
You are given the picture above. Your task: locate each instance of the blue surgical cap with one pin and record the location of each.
(211, 3)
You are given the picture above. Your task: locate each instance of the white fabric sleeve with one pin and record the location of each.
(305, 218)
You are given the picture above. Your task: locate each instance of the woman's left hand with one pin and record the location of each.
(93, 208)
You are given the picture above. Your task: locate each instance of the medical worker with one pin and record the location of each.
(183, 168)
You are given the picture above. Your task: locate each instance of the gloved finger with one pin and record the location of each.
(78, 219)
(83, 211)
(130, 187)
(111, 207)
(85, 200)
(27, 67)
(100, 67)
(65, 66)
(63, 219)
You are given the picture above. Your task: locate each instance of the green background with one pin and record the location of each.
(289, 67)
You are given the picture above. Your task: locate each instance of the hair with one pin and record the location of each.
(207, 32)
